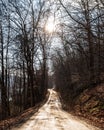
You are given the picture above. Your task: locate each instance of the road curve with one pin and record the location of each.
(52, 117)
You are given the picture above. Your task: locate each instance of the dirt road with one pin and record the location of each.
(52, 117)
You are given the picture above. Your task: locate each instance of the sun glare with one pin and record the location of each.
(50, 25)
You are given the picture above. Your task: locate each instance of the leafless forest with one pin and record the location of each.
(77, 62)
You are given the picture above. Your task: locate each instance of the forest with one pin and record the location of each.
(67, 53)
(79, 64)
(23, 64)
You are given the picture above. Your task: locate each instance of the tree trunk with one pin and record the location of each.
(4, 102)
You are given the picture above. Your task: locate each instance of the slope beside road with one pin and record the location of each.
(52, 117)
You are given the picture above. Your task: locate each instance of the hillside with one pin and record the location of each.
(90, 105)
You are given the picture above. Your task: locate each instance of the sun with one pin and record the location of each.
(50, 25)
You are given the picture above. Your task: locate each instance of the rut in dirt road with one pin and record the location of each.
(52, 117)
